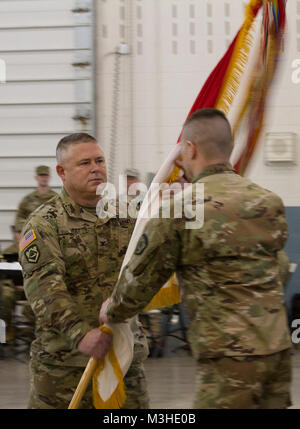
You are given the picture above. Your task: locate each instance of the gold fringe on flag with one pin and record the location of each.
(167, 296)
(174, 176)
(239, 59)
(118, 397)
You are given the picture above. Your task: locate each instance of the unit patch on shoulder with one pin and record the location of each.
(142, 245)
(27, 239)
(32, 254)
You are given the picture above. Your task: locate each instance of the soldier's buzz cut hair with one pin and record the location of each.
(71, 140)
(210, 129)
(206, 113)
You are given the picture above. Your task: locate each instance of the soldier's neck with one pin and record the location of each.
(197, 167)
(82, 201)
(87, 203)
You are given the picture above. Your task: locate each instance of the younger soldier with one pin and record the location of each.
(228, 271)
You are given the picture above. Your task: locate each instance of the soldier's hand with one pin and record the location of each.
(95, 343)
(185, 178)
(102, 314)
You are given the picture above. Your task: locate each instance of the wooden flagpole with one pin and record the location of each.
(83, 383)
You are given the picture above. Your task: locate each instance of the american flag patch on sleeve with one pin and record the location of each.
(27, 239)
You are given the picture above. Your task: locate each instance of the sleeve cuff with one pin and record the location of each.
(77, 332)
(111, 315)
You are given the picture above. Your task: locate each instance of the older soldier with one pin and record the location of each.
(36, 198)
(228, 271)
(71, 260)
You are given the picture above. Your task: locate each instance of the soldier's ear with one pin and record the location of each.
(192, 149)
(60, 171)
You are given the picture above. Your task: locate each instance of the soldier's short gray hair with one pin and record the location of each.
(71, 140)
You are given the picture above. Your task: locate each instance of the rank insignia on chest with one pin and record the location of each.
(32, 254)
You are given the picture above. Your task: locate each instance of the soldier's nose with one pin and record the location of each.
(94, 167)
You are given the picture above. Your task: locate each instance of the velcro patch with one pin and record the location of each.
(32, 254)
(27, 239)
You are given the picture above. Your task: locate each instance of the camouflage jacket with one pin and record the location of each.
(228, 269)
(27, 206)
(284, 266)
(11, 250)
(71, 260)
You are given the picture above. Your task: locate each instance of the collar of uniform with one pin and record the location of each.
(46, 194)
(224, 167)
(75, 210)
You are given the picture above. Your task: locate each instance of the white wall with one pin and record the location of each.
(283, 115)
(175, 44)
(47, 48)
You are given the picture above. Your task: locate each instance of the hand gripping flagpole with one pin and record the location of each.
(83, 383)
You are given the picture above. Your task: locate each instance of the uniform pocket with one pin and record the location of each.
(79, 249)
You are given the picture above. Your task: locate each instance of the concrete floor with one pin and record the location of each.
(170, 381)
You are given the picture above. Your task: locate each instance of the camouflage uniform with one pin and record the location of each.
(284, 266)
(28, 204)
(229, 273)
(71, 262)
(11, 252)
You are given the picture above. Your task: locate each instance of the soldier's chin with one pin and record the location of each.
(93, 188)
(95, 183)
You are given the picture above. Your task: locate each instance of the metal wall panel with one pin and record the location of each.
(47, 49)
(47, 65)
(9, 167)
(19, 146)
(11, 6)
(43, 39)
(45, 92)
(11, 197)
(39, 118)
